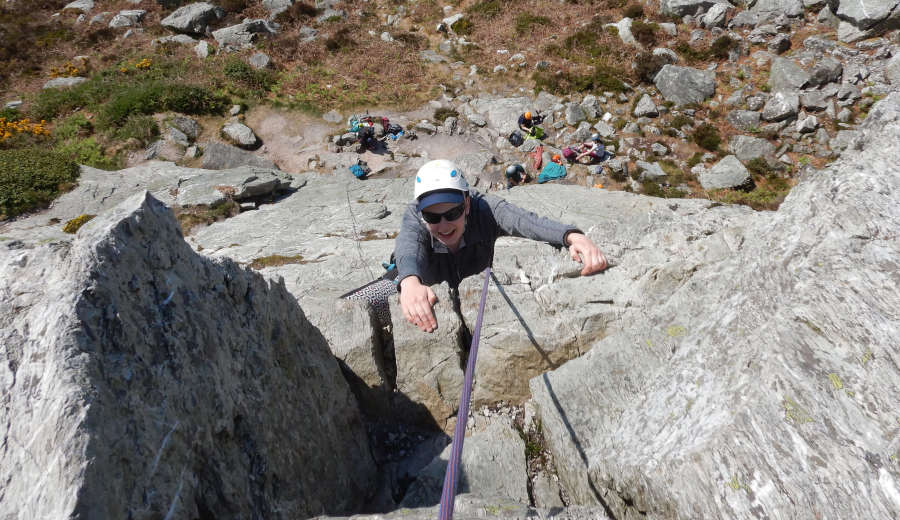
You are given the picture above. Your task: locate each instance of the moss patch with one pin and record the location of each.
(75, 224)
(275, 261)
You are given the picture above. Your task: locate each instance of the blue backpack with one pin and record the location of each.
(357, 171)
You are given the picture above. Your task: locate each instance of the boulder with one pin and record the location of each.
(746, 148)
(193, 18)
(259, 61)
(727, 173)
(240, 134)
(212, 373)
(688, 7)
(743, 120)
(178, 38)
(63, 82)
(590, 107)
(775, 313)
(780, 44)
(331, 14)
(791, 8)
(781, 106)
(277, 6)
(203, 49)
(476, 120)
(127, 18)
(685, 85)
(623, 29)
(650, 171)
(814, 101)
(892, 71)
(574, 114)
(80, 5)
(604, 129)
(219, 156)
(645, 106)
(243, 35)
(213, 188)
(492, 465)
(785, 74)
(715, 16)
(429, 373)
(863, 15)
(547, 102)
(426, 127)
(473, 164)
(432, 57)
(826, 70)
(807, 125)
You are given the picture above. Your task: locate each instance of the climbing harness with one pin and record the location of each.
(448, 495)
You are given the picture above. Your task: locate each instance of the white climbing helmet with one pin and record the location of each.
(440, 175)
(595, 137)
(511, 169)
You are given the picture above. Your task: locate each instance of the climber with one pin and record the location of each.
(448, 233)
(527, 124)
(593, 149)
(515, 175)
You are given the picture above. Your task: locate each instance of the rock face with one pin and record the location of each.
(781, 106)
(503, 114)
(754, 387)
(193, 18)
(243, 35)
(492, 464)
(684, 85)
(220, 385)
(218, 156)
(429, 373)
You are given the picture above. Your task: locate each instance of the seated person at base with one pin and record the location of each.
(515, 175)
(527, 123)
(592, 149)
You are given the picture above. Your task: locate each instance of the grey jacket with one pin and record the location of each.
(418, 254)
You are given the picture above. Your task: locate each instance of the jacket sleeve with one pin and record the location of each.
(517, 222)
(412, 247)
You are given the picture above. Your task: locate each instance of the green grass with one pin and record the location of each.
(486, 8)
(88, 152)
(525, 21)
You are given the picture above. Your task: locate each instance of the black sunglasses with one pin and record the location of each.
(449, 215)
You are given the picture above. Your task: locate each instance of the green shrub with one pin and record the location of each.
(243, 72)
(645, 33)
(602, 78)
(695, 159)
(633, 11)
(32, 177)
(524, 21)
(653, 188)
(486, 8)
(463, 26)
(416, 41)
(341, 39)
(707, 137)
(87, 152)
(719, 49)
(647, 65)
(680, 120)
(441, 114)
(143, 128)
(159, 97)
(297, 12)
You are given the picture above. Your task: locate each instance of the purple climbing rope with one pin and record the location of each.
(448, 495)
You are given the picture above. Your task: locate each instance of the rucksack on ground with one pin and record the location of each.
(516, 138)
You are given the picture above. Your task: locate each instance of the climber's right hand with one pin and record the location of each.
(416, 300)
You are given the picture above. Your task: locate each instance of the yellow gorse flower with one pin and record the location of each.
(10, 129)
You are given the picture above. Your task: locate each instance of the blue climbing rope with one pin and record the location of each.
(451, 478)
